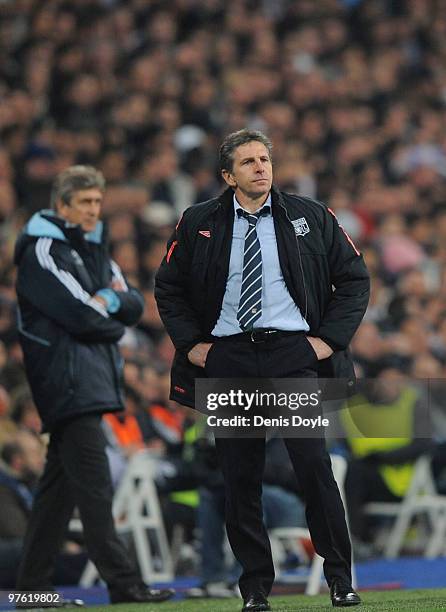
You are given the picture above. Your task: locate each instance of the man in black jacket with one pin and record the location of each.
(258, 283)
(74, 305)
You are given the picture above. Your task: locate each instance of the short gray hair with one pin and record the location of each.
(75, 178)
(235, 140)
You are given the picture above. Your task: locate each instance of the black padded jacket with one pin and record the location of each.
(324, 272)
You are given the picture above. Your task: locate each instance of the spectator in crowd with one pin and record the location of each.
(22, 460)
(7, 425)
(74, 304)
(124, 436)
(124, 426)
(387, 429)
(24, 412)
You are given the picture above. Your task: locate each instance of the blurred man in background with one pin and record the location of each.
(74, 304)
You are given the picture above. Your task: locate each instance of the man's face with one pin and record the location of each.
(83, 209)
(252, 172)
(33, 454)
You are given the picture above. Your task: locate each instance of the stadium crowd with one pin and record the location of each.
(353, 96)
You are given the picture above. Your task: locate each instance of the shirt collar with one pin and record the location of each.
(266, 203)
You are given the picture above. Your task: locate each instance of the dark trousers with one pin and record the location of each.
(242, 462)
(76, 474)
(364, 484)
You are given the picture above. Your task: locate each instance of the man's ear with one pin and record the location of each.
(229, 178)
(61, 208)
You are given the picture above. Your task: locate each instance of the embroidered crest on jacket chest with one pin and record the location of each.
(300, 226)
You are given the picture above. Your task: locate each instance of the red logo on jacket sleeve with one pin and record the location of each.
(172, 247)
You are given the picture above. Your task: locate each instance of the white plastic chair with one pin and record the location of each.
(137, 513)
(421, 498)
(293, 535)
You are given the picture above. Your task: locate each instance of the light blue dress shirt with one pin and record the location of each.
(279, 311)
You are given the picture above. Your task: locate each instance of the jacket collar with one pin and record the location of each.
(226, 199)
(47, 224)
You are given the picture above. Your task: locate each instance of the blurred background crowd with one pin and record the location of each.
(352, 94)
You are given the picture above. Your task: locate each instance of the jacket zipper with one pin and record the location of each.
(300, 259)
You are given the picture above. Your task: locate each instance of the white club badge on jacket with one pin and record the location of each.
(300, 226)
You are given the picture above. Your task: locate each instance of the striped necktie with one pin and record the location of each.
(250, 303)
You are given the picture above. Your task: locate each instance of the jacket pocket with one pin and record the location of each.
(209, 355)
(183, 377)
(311, 350)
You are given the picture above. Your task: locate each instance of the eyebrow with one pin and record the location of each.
(251, 157)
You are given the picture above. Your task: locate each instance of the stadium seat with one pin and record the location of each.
(137, 514)
(293, 537)
(420, 499)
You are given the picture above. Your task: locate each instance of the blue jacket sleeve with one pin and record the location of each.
(125, 305)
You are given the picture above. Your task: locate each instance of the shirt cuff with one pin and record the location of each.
(112, 301)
